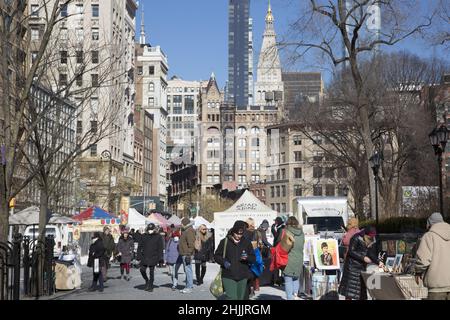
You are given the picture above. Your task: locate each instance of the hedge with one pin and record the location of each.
(399, 225)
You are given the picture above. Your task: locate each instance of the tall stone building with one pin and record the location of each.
(298, 167)
(210, 147)
(152, 66)
(269, 84)
(240, 49)
(94, 46)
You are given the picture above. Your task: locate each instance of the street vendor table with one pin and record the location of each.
(393, 287)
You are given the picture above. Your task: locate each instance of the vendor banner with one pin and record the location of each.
(224, 221)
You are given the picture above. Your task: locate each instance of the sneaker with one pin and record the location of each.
(186, 291)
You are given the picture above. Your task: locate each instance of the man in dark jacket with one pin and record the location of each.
(110, 247)
(235, 259)
(96, 260)
(186, 250)
(277, 230)
(150, 252)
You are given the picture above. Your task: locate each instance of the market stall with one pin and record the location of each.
(136, 220)
(198, 221)
(176, 221)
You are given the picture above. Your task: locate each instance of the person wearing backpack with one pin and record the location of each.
(252, 235)
(293, 271)
(173, 258)
(235, 259)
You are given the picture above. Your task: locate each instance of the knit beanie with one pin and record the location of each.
(434, 218)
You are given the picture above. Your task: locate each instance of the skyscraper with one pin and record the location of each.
(239, 50)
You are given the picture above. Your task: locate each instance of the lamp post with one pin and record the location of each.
(106, 154)
(375, 163)
(438, 139)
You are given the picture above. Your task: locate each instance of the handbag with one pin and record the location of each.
(258, 267)
(216, 287)
(280, 253)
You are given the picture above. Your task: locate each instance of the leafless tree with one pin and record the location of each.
(337, 30)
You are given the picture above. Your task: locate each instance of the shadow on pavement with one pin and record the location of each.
(265, 296)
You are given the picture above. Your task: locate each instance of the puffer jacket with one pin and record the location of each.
(150, 249)
(238, 270)
(295, 258)
(352, 286)
(97, 251)
(433, 258)
(172, 255)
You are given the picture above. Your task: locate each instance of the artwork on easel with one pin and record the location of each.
(397, 268)
(326, 254)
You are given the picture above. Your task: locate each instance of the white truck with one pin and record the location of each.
(329, 214)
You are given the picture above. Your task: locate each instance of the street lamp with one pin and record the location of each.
(375, 163)
(107, 154)
(438, 139)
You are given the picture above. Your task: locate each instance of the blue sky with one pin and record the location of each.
(194, 34)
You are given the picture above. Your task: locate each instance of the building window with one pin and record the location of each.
(151, 70)
(242, 166)
(342, 173)
(255, 166)
(298, 155)
(35, 34)
(94, 80)
(282, 157)
(94, 150)
(95, 34)
(317, 190)
(242, 179)
(272, 192)
(255, 142)
(63, 8)
(79, 8)
(283, 207)
(79, 80)
(317, 172)
(79, 126)
(35, 10)
(242, 142)
(255, 178)
(272, 205)
(330, 190)
(242, 130)
(94, 127)
(329, 173)
(95, 11)
(297, 190)
(63, 79)
(79, 32)
(255, 130)
(318, 156)
(297, 173)
(94, 56)
(140, 70)
(283, 174)
(79, 56)
(278, 191)
(278, 207)
(283, 191)
(317, 139)
(63, 55)
(242, 154)
(297, 140)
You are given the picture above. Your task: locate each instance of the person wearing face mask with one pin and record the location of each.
(360, 254)
(173, 258)
(236, 263)
(125, 249)
(96, 261)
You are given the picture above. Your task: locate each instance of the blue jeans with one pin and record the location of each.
(291, 286)
(189, 273)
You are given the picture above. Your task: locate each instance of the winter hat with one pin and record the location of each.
(239, 227)
(434, 218)
(264, 224)
(185, 221)
(371, 232)
(151, 227)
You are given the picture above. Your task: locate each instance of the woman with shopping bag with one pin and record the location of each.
(97, 260)
(235, 259)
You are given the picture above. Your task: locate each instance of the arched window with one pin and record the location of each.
(242, 130)
(213, 130)
(255, 130)
(242, 142)
(151, 87)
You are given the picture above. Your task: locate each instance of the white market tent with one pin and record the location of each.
(58, 219)
(247, 206)
(136, 220)
(28, 216)
(175, 220)
(198, 221)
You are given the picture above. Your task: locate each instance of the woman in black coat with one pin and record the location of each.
(236, 263)
(352, 285)
(150, 253)
(97, 260)
(125, 249)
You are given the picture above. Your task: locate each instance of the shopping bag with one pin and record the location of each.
(96, 265)
(216, 287)
(280, 253)
(257, 267)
